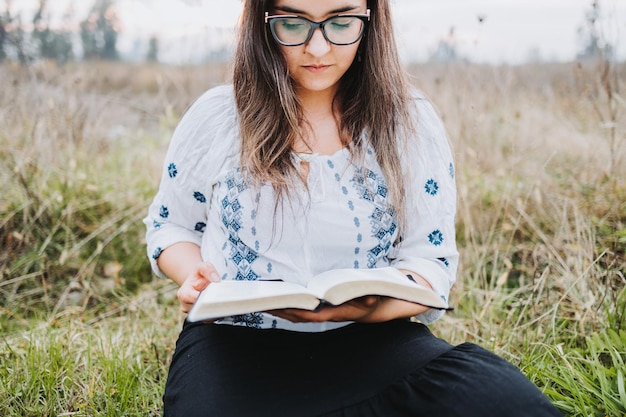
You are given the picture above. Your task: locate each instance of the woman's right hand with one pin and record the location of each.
(197, 281)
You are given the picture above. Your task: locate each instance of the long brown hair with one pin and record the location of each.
(373, 97)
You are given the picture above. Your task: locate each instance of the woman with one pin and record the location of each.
(318, 157)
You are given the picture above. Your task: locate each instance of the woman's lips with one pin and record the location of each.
(316, 68)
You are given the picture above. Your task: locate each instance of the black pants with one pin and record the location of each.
(389, 369)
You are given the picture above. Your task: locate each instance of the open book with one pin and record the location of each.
(229, 298)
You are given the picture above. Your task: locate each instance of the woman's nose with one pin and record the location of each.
(318, 45)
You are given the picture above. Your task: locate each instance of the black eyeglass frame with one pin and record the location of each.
(313, 26)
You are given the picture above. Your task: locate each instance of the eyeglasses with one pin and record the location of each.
(343, 29)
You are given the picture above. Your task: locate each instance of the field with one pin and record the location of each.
(86, 330)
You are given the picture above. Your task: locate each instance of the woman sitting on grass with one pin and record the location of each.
(319, 157)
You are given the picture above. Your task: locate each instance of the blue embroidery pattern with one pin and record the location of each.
(431, 187)
(199, 197)
(444, 261)
(172, 171)
(383, 222)
(200, 227)
(250, 320)
(231, 213)
(451, 170)
(436, 238)
(164, 212)
(157, 253)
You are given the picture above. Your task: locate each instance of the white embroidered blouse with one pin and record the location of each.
(340, 222)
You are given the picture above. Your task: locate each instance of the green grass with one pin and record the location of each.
(587, 381)
(86, 330)
(114, 365)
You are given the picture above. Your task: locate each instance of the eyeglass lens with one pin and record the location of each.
(340, 30)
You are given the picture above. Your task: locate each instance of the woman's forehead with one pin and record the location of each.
(320, 8)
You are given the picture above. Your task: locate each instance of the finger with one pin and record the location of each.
(185, 307)
(202, 278)
(208, 271)
(367, 301)
(298, 316)
(187, 296)
(200, 283)
(285, 314)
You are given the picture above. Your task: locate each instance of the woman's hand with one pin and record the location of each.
(182, 263)
(369, 309)
(197, 281)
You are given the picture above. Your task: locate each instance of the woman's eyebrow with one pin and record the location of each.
(288, 9)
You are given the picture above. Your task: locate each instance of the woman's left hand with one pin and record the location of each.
(368, 309)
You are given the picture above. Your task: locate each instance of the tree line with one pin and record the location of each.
(94, 37)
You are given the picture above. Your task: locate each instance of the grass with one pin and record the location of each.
(541, 229)
(106, 367)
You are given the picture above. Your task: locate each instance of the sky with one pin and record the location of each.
(511, 31)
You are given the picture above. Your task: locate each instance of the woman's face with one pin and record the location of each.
(318, 65)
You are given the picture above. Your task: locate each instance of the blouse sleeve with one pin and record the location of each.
(202, 141)
(428, 246)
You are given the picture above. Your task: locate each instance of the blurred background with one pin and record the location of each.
(197, 31)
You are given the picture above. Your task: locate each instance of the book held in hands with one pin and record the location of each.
(334, 287)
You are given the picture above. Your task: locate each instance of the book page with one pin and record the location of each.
(229, 297)
(341, 285)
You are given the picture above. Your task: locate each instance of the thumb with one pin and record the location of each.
(208, 271)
